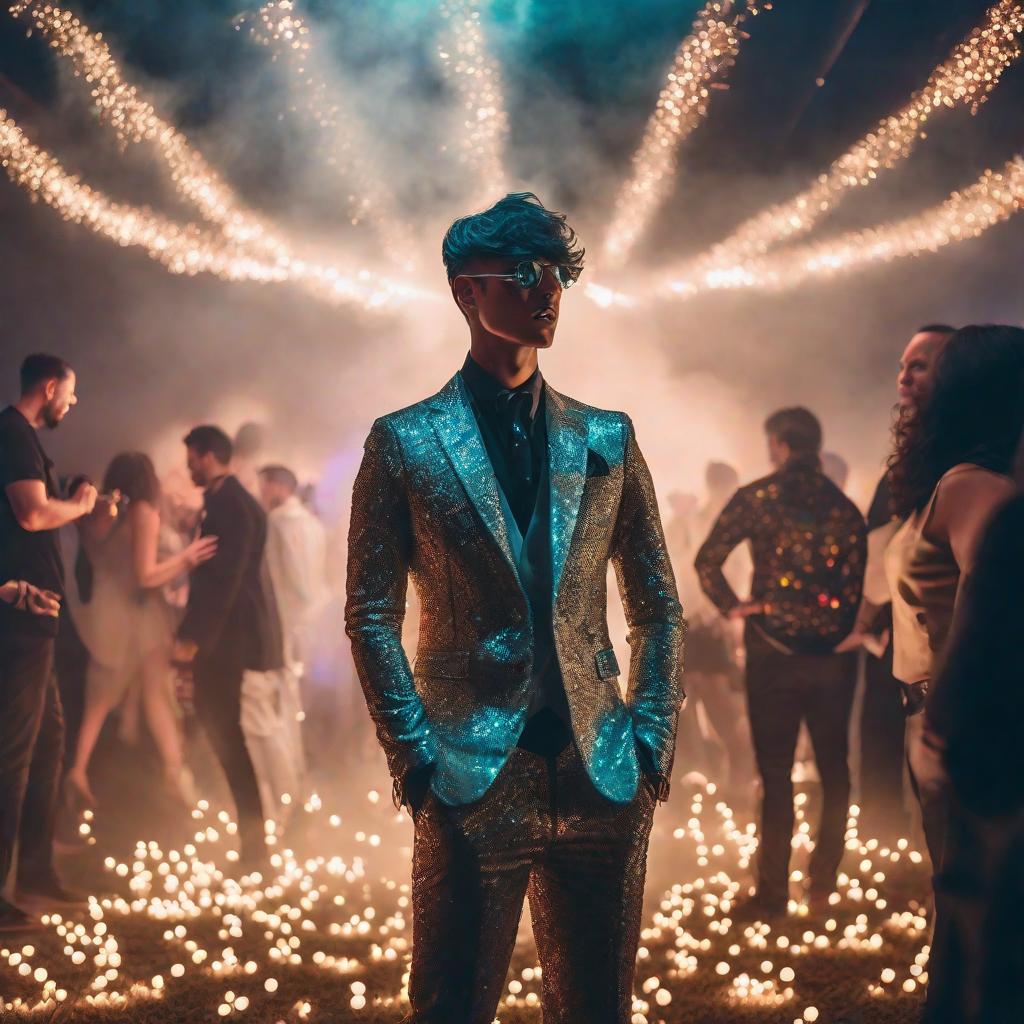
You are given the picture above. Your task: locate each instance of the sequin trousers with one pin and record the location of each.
(544, 833)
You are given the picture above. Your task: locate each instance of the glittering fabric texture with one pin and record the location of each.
(543, 832)
(426, 506)
(809, 546)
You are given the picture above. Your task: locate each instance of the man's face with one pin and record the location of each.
(520, 316)
(60, 396)
(917, 368)
(203, 469)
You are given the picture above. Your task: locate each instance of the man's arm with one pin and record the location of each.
(653, 614)
(379, 553)
(730, 530)
(36, 511)
(214, 585)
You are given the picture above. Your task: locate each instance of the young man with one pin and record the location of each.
(228, 625)
(526, 773)
(808, 544)
(31, 589)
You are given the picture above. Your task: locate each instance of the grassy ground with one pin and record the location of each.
(333, 930)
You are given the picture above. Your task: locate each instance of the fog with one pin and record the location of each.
(157, 354)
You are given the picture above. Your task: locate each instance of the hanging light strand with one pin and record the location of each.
(476, 79)
(134, 120)
(347, 147)
(965, 78)
(968, 213)
(700, 63)
(181, 248)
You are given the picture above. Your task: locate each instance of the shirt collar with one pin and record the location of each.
(485, 389)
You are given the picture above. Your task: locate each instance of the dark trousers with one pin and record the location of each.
(31, 755)
(218, 691)
(542, 832)
(882, 751)
(783, 690)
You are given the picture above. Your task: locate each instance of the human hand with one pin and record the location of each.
(853, 642)
(85, 497)
(202, 549)
(42, 602)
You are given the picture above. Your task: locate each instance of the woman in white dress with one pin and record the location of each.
(127, 625)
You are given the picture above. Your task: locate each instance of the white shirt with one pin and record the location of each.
(296, 557)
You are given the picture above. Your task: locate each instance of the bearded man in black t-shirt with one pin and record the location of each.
(31, 589)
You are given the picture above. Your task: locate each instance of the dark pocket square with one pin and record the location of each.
(596, 466)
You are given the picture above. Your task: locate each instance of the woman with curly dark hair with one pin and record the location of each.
(949, 474)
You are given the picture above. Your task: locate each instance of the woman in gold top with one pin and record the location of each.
(949, 474)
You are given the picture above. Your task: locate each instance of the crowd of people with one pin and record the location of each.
(207, 608)
(796, 601)
(924, 594)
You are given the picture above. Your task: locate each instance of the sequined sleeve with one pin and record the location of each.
(653, 612)
(379, 552)
(731, 529)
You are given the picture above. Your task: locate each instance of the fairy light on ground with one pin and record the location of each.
(257, 941)
(699, 64)
(968, 213)
(347, 146)
(476, 80)
(965, 78)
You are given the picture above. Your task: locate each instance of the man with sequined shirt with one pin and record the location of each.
(526, 773)
(808, 542)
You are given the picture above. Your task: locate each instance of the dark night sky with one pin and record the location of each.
(154, 349)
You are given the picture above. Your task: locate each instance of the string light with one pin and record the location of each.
(965, 78)
(477, 82)
(700, 62)
(348, 149)
(181, 248)
(967, 213)
(134, 120)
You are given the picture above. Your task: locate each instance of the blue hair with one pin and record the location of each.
(518, 227)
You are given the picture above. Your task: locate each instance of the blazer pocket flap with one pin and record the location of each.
(607, 664)
(443, 664)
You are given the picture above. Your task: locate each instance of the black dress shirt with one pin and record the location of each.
(489, 396)
(809, 545)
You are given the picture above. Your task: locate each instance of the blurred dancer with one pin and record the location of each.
(808, 544)
(127, 625)
(949, 474)
(31, 589)
(882, 724)
(713, 676)
(228, 625)
(525, 772)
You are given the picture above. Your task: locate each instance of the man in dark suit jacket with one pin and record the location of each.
(229, 624)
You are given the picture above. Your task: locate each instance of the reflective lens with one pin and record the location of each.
(529, 272)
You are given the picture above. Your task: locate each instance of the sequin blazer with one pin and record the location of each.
(426, 505)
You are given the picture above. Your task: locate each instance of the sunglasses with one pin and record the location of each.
(528, 273)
